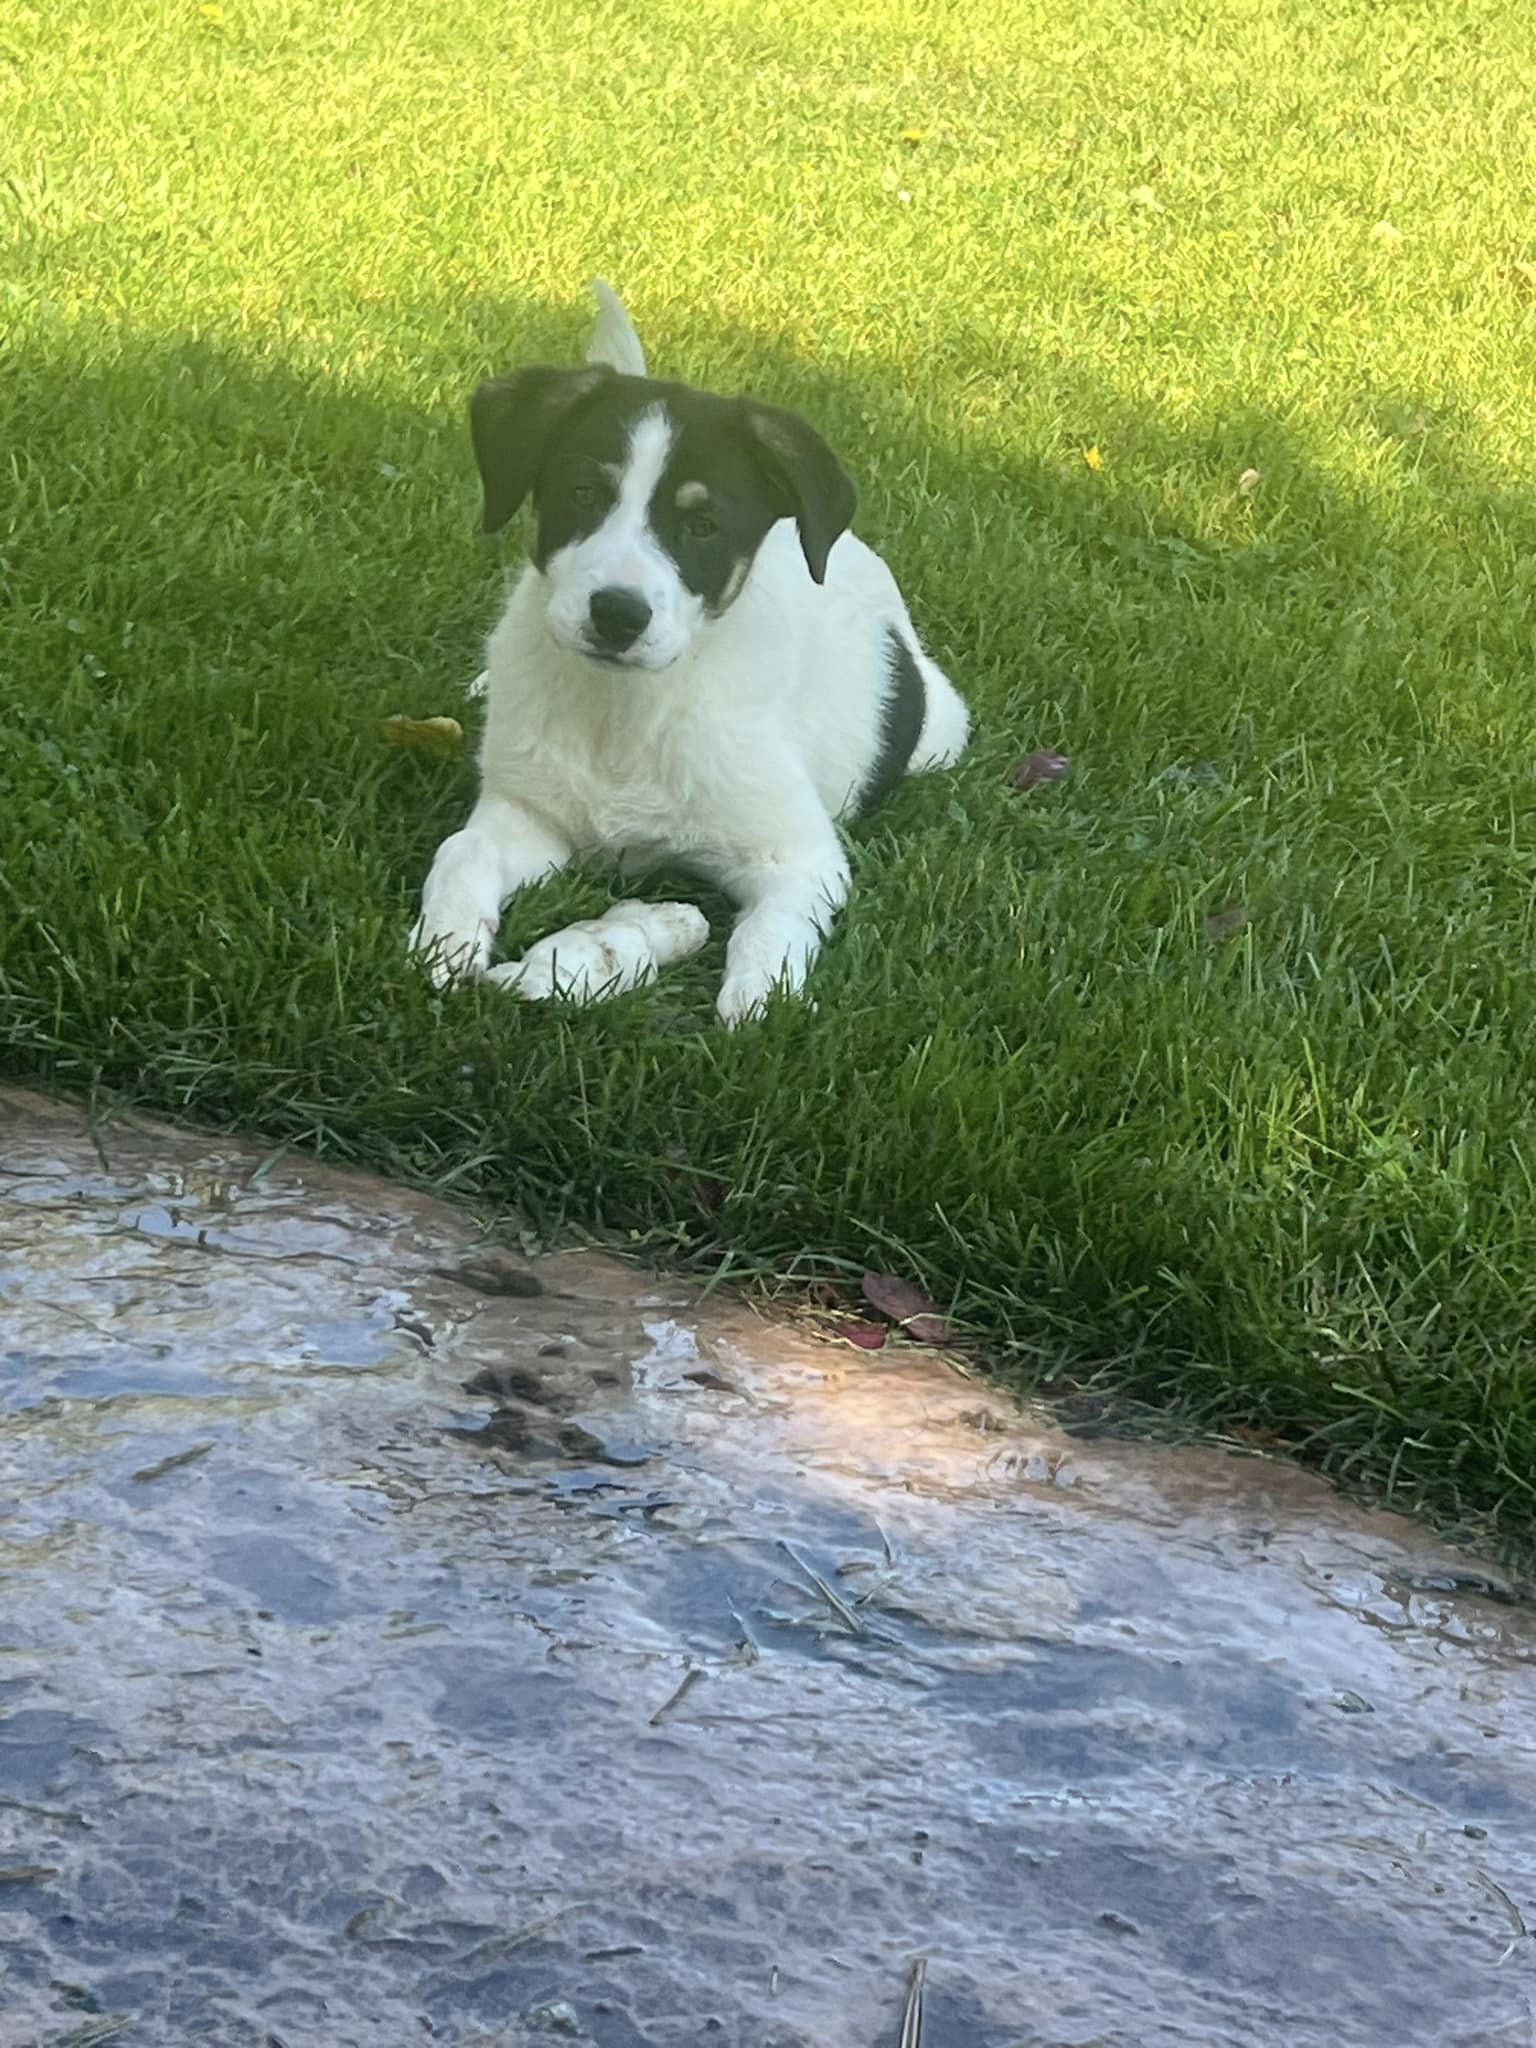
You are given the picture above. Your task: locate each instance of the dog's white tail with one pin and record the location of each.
(614, 340)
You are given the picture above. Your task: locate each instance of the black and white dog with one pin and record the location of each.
(699, 664)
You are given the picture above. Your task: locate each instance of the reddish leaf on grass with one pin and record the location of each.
(905, 1304)
(1043, 765)
(868, 1336)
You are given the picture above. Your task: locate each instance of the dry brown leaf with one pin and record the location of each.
(906, 1304)
(431, 735)
(1043, 765)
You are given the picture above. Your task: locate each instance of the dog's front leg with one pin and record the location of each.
(604, 956)
(501, 849)
(787, 903)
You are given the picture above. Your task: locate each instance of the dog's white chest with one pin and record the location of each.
(606, 762)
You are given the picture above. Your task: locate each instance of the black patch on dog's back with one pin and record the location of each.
(901, 721)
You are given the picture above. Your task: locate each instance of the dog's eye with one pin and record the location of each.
(700, 525)
(584, 496)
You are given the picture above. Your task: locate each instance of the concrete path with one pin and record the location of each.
(688, 1678)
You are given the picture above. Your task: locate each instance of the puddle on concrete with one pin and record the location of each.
(688, 1679)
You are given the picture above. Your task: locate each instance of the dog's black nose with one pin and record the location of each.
(619, 616)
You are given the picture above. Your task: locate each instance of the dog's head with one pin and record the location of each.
(651, 500)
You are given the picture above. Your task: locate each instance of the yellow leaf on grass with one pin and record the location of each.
(1093, 458)
(210, 12)
(431, 735)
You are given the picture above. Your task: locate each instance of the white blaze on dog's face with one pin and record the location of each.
(615, 593)
(651, 501)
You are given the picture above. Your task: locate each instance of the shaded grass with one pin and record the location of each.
(1276, 1170)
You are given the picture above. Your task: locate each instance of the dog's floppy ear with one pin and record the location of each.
(818, 490)
(510, 422)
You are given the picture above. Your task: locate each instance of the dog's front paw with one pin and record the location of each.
(451, 953)
(576, 962)
(743, 999)
(604, 956)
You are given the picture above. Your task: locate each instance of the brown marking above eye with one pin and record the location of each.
(690, 495)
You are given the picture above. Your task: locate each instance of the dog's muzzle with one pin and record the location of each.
(617, 617)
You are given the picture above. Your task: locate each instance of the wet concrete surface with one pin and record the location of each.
(687, 1679)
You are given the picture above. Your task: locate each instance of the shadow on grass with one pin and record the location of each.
(1202, 1075)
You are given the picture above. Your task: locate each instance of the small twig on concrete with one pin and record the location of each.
(912, 2018)
(691, 1678)
(1512, 1912)
(838, 1605)
(92, 2032)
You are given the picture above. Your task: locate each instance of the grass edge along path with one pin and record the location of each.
(1184, 367)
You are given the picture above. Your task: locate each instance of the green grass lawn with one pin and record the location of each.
(1057, 283)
